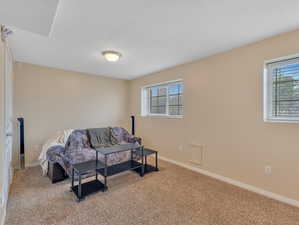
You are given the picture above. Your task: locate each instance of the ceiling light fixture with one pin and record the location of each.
(111, 56)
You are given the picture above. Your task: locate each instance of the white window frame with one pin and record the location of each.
(267, 88)
(145, 107)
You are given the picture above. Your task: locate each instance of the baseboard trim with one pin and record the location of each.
(4, 207)
(3, 215)
(236, 183)
(32, 164)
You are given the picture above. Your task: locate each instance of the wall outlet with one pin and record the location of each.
(268, 170)
(181, 148)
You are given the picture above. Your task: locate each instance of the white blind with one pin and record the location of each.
(285, 88)
(165, 99)
(158, 97)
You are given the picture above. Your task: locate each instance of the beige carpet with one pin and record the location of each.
(172, 196)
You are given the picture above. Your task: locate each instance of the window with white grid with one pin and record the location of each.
(282, 90)
(164, 99)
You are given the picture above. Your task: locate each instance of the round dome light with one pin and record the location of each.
(111, 56)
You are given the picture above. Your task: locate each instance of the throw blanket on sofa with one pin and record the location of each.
(101, 137)
(60, 138)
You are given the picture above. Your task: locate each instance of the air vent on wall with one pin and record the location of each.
(197, 153)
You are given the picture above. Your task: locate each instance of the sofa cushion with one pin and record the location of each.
(121, 135)
(77, 140)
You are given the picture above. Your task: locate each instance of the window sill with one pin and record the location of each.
(164, 116)
(281, 120)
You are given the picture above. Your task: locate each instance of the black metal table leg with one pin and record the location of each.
(131, 157)
(105, 174)
(73, 180)
(73, 177)
(157, 168)
(142, 160)
(80, 188)
(97, 164)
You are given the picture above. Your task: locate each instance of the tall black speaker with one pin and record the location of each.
(133, 125)
(22, 143)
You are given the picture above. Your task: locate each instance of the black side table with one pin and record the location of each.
(146, 152)
(87, 188)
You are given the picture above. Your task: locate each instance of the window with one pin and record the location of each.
(157, 98)
(164, 99)
(281, 89)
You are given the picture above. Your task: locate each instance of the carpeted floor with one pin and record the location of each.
(172, 196)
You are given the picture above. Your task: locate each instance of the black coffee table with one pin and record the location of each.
(131, 164)
(96, 166)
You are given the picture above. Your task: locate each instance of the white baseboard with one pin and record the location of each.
(34, 164)
(236, 183)
(3, 216)
(4, 206)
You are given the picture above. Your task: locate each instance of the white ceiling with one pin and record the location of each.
(32, 15)
(151, 35)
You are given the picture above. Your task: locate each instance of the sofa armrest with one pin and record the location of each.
(134, 139)
(55, 151)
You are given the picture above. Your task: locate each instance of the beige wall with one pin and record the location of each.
(223, 112)
(53, 99)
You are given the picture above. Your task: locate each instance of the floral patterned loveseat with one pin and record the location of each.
(78, 149)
